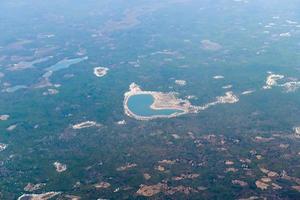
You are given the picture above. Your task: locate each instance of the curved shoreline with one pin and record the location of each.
(157, 96)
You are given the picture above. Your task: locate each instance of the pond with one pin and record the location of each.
(140, 105)
(63, 64)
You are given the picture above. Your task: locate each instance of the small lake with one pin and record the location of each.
(140, 105)
(63, 64)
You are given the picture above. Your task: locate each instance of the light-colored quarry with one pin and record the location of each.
(59, 167)
(100, 71)
(229, 97)
(289, 85)
(272, 80)
(43, 196)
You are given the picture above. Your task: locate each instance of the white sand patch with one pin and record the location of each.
(261, 185)
(191, 97)
(42, 36)
(227, 86)
(180, 82)
(287, 34)
(3, 147)
(126, 167)
(297, 131)
(134, 87)
(248, 92)
(4, 117)
(218, 77)
(121, 122)
(175, 136)
(102, 185)
(85, 124)
(43, 196)
(229, 97)
(165, 52)
(291, 86)
(229, 162)
(100, 71)
(59, 167)
(12, 127)
(272, 80)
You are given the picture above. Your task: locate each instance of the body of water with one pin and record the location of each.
(63, 64)
(140, 105)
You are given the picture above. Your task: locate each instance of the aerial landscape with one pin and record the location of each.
(172, 99)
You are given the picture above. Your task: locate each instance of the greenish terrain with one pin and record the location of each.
(245, 150)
